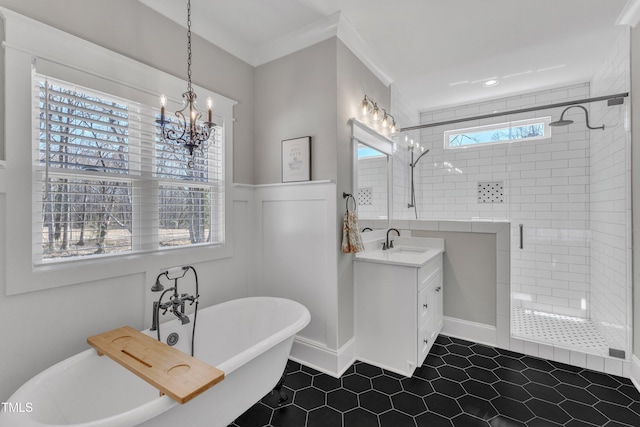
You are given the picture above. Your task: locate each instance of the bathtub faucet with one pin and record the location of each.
(177, 302)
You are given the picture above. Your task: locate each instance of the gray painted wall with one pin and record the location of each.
(354, 81)
(315, 92)
(2, 127)
(469, 275)
(296, 96)
(635, 182)
(42, 328)
(132, 29)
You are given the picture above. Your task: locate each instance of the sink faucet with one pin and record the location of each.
(387, 244)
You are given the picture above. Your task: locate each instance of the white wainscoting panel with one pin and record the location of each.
(296, 242)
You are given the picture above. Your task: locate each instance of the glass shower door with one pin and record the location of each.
(563, 256)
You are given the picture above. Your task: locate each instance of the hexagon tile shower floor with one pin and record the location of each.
(460, 384)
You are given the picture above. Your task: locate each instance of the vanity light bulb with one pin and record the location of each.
(385, 121)
(365, 106)
(375, 115)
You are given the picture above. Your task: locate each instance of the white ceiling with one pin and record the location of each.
(436, 52)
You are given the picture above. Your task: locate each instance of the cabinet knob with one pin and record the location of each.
(438, 288)
(425, 305)
(426, 341)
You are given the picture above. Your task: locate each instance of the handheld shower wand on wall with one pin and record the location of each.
(414, 147)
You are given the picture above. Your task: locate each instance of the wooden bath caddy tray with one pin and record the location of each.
(171, 371)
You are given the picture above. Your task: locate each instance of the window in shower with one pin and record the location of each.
(500, 133)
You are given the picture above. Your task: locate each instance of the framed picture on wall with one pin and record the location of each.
(296, 159)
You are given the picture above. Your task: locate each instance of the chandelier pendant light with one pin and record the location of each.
(187, 131)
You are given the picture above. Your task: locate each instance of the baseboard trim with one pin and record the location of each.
(635, 371)
(470, 331)
(323, 359)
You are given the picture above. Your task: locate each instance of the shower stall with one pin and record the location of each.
(571, 249)
(566, 195)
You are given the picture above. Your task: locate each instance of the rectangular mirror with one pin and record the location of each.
(372, 154)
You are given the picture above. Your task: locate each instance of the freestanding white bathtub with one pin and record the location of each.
(249, 339)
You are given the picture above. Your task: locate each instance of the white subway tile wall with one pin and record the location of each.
(546, 188)
(570, 193)
(405, 115)
(372, 188)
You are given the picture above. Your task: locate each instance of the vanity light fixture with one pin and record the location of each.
(187, 132)
(369, 109)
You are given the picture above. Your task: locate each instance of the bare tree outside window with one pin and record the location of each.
(507, 132)
(92, 166)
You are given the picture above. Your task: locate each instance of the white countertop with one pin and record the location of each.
(407, 251)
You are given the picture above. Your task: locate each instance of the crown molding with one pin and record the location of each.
(352, 39)
(630, 15)
(318, 31)
(335, 25)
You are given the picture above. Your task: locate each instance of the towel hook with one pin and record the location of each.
(349, 196)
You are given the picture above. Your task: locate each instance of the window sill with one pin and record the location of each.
(126, 257)
(50, 275)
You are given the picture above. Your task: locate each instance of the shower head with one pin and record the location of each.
(566, 122)
(157, 287)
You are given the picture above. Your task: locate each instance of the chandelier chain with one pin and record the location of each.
(187, 131)
(189, 89)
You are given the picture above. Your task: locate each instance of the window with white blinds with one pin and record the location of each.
(106, 183)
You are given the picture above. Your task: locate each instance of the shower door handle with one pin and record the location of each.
(521, 236)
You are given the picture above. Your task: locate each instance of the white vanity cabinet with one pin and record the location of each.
(398, 308)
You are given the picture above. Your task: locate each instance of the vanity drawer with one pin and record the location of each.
(429, 299)
(426, 337)
(428, 271)
(425, 306)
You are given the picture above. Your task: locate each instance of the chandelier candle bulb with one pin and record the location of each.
(163, 102)
(209, 110)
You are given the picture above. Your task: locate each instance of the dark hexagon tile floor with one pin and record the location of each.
(461, 384)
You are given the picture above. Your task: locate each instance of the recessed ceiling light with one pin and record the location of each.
(490, 83)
